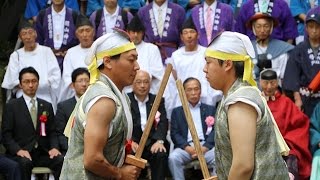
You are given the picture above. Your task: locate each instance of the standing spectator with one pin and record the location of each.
(149, 58)
(55, 27)
(156, 150)
(34, 6)
(210, 18)
(162, 20)
(29, 130)
(80, 78)
(302, 67)
(76, 55)
(39, 57)
(109, 17)
(188, 61)
(279, 9)
(185, 151)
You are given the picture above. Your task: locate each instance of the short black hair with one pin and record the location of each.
(28, 70)
(77, 72)
(238, 66)
(190, 79)
(115, 57)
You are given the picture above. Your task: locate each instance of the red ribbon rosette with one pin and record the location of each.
(43, 120)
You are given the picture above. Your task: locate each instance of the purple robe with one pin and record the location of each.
(223, 19)
(170, 39)
(101, 29)
(287, 28)
(44, 30)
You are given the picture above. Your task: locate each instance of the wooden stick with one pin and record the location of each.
(194, 135)
(136, 160)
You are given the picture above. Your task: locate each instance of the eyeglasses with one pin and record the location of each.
(83, 81)
(33, 81)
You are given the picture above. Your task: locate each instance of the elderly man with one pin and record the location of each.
(244, 130)
(293, 125)
(156, 150)
(75, 56)
(185, 151)
(39, 57)
(269, 52)
(102, 122)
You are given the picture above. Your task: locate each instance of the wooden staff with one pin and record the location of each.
(136, 160)
(194, 135)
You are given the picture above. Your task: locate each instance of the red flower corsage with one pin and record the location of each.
(43, 120)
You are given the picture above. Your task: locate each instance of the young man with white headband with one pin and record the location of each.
(246, 145)
(102, 121)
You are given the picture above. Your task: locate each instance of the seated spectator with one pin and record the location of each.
(39, 57)
(110, 16)
(270, 53)
(29, 131)
(302, 67)
(293, 125)
(8, 167)
(75, 56)
(210, 18)
(315, 142)
(55, 27)
(184, 151)
(80, 78)
(157, 148)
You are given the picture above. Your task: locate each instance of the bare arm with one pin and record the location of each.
(98, 122)
(242, 119)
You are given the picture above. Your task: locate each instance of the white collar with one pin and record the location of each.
(213, 6)
(28, 98)
(163, 6)
(196, 106)
(144, 101)
(61, 13)
(106, 13)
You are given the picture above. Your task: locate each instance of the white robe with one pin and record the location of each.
(74, 59)
(190, 64)
(44, 62)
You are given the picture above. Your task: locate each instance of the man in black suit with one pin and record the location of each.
(202, 115)
(29, 131)
(80, 78)
(157, 148)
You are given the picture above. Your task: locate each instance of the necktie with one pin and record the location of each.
(209, 24)
(33, 113)
(264, 6)
(160, 22)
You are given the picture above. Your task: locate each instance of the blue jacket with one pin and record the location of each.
(179, 126)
